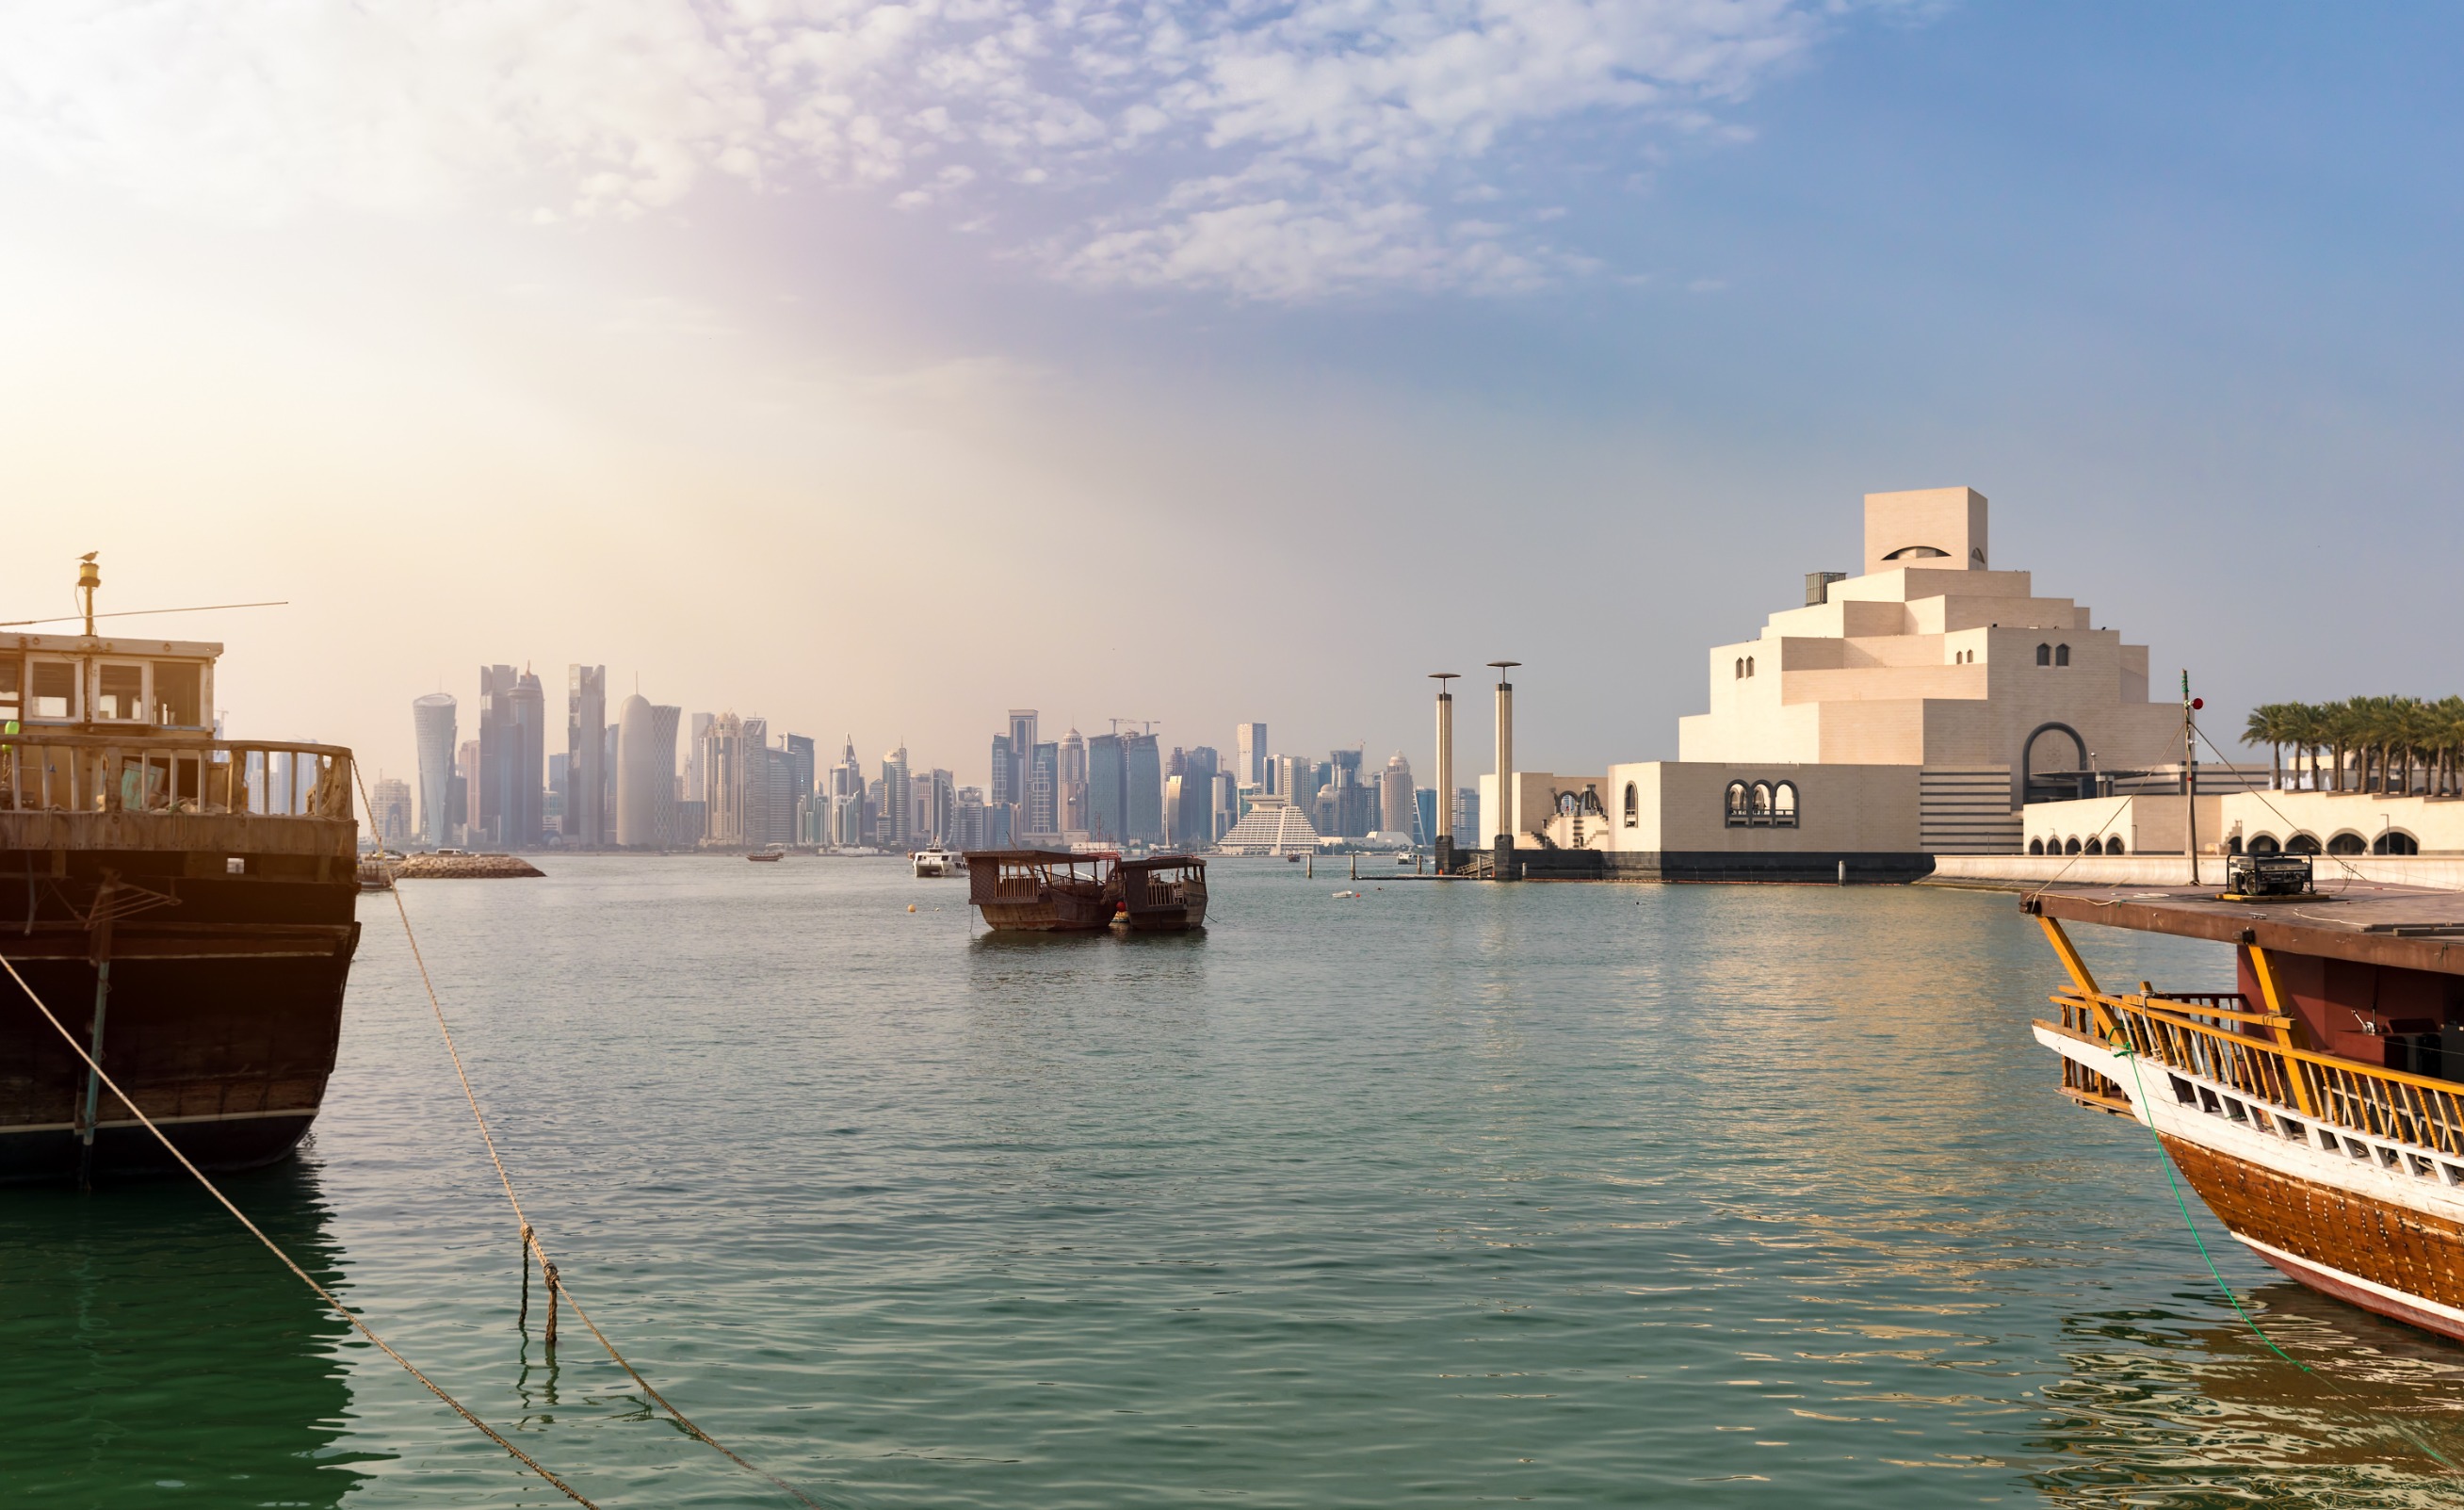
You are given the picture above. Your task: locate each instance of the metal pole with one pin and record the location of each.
(2190, 780)
(93, 1074)
(1502, 822)
(1443, 837)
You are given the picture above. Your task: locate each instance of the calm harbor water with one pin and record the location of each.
(1576, 1196)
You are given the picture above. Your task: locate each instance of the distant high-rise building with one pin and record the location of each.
(1395, 795)
(1142, 787)
(1249, 754)
(1466, 815)
(1293, 780)
(513, 755)
(431, 721)
(1106, 790)
(474, 788)
(1021, 749)
(586, 746)
(764, 788)
(646, 774)
(1356, 805)
(1043, 790)
(1073, 800)
(1189, 798)
(897, 804)
(937, 807)
(1227, 803)
(803, 757)
(1425, 816)
(1003, 785)
(696, 735)
(390, 798)
(967, 809)
(552, 812)
(722, 780)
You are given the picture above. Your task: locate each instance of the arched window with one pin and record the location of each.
(2036, 846)
(2346, 843)
(2061, 654)
(2113, 845)
(1784, 805)
(1761, 801)
(2301, 844)
(2262, 844)
(2095, 845)
(2044, 655)
(1736, 803)
(2395, 841)
(1750, 665)
(2233, 845)
(1633, 807)
(1741, 668)
(2073, 846)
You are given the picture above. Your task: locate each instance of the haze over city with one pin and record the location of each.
(881, 370)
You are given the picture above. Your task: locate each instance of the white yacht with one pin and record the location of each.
(932, 860)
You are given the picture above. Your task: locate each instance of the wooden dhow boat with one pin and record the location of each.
(2319, 1109)
(184, 904)
(1165, 894)
(1041, 891)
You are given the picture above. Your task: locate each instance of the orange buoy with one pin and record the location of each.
(911, 906)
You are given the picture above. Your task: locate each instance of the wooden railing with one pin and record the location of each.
(2245, 1051)
(43, 770)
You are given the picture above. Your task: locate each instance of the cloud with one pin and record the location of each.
(1267, 150)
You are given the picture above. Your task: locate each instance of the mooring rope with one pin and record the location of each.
(2165, 1158)
(275, 1248)
(555, 1278)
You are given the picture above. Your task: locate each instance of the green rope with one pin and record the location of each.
(2126, 1053)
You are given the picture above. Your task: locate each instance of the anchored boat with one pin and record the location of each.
(2319, 1109)
(1166, 894)
(183, 903)
(1041, 891)
(933, 861)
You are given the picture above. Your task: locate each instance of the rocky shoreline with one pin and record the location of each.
(464, 867)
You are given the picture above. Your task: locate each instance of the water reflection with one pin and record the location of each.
(2175, 1406)
(153, 1346)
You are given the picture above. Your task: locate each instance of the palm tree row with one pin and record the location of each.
(2382, 744)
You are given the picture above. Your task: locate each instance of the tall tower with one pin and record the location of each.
(1249, 751)
(431, 721)
(585, 747)
(1502, 822)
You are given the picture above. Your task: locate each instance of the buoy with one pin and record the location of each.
(911, 906)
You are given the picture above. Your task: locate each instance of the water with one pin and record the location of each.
(1574, 1195)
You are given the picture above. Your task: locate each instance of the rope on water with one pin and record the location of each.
(548, 1272)
(2125, 1053)
(273, 1248)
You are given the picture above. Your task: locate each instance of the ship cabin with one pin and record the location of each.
(107, 728)
(2319, 1107)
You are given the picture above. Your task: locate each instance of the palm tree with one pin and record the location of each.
(2304, 722)
(2266, 726)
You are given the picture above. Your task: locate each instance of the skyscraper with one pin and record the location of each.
(696, 735)
(1189, 805)
(1003, 787)
(1395, 795)
(390, 800)
(513, 755)
(722, 779)
(586, 750)
(803, 758)
(646, 774)
(1043, 790)
(1107, 789)
(472, 785)
(1142, 788)
(1072, 817)
(897, 802)
(1294, 782)
(1249, 753)
(431, 722)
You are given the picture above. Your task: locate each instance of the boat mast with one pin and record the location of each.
(2190, 775)
(89, 578)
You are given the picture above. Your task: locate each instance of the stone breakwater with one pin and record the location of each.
(464, 867)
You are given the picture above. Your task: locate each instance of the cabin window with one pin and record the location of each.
(1736, 805)
(55, 690)
(235, 865)
(1784, 805)
(1762, 804)
(179, 694)
(2036, 846)
(2356, 1149)
(2061, 654)
(1633, 807)
(2044, 655)
(118, 691)
(2395, 841)
(2182, 1091)
(2347, 843)
(2113, 845)
(2258, 1119)
(2234, 1110)
(2387, 1156)
(2427, 1168)
(2293, 1130)
(2209, 1103)
(12, 697)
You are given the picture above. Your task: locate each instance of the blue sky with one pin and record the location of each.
(621, 332)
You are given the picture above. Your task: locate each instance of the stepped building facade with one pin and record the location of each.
(1911, 709)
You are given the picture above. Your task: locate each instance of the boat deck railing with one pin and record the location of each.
(47, 770)
(2217, 1036)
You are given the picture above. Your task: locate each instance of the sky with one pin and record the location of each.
(880, 367)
